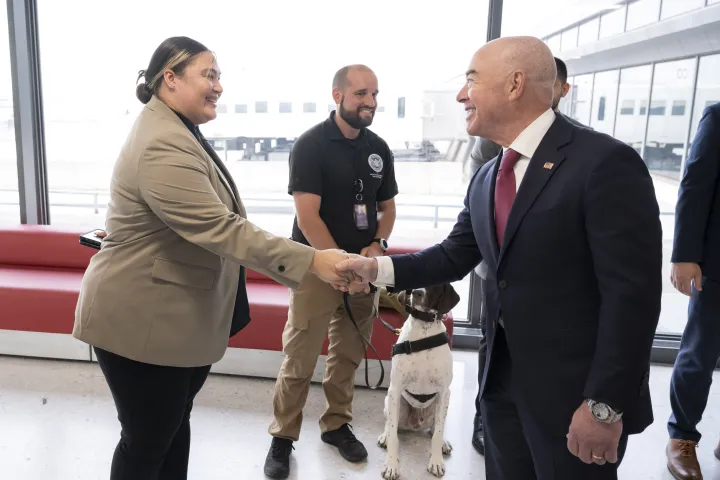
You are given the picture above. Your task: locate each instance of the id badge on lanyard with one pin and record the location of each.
(360, 209)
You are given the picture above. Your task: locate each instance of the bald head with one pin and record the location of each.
(525, 56)
(342, 77)
(510, 83)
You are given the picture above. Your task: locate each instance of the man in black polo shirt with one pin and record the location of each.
(342, 179)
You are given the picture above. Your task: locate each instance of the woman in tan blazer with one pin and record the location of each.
(158, 300)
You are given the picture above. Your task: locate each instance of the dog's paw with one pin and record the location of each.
(436, 466)
(382, 440)
(446, 448)
(390, 472)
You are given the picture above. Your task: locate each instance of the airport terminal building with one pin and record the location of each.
(643, 71)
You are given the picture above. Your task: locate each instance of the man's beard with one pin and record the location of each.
(353, 118)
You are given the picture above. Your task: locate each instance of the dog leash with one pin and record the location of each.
(366, 342)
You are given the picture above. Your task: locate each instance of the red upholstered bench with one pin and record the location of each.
(41, 269)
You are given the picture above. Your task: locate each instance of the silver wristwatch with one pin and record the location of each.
(603, 413)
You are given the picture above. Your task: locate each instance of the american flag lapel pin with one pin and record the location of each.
(548, 166)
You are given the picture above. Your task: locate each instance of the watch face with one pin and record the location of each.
(601, 411)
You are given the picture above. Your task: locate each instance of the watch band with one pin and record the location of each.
(382, 242)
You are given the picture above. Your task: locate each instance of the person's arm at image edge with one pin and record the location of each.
(697, 189)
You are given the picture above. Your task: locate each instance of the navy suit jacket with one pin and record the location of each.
(578, 279)
(697, 213)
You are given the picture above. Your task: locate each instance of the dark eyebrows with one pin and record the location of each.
(365, 90)
(470, 72)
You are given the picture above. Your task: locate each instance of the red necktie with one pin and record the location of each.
(505, 189)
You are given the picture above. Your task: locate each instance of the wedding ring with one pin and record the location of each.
(596, 457)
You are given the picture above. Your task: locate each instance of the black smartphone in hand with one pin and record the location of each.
(92, 239)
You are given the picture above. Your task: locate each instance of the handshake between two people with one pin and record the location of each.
(346, 272)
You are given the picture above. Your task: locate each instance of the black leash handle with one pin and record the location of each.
(366, 342)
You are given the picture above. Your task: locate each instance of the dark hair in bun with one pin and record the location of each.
(142, 91)
(175, 54)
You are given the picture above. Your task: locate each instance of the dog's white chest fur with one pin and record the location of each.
(418, 396)
(421, 374)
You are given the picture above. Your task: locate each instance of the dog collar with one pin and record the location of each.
(424, 316)
(407, 347)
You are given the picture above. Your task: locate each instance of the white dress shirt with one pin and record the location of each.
(525, 144)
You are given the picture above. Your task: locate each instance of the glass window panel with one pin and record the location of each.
(569, 39)
(634, 90)
(678, 107)
(708, 89)
(554, 43)
(429, 169)
(665, 147)
(241, 108)
(589, 31)
(605, 94)
(9, 196)
(627, 107)
(706, 94)
(674, 314)
(642, 13)
(670, 8)
(612, 23)
(581, 91)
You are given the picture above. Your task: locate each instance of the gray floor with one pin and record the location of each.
(57, 422)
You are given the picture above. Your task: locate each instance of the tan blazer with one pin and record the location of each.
(162, 288)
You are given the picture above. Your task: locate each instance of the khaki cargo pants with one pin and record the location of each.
(317, 309)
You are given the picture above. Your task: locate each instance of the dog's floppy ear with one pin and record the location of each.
(448, 299)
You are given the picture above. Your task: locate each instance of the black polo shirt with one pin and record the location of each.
(325, 163)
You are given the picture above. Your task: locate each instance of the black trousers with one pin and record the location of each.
(695, 363)
(153, 404)
(516, 447)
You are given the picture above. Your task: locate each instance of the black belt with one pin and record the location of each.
(407, 347)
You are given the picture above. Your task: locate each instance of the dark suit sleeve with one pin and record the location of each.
(697, 190)
(449, 261)
(622, 221)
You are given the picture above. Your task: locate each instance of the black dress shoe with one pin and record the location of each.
(478, 439)
(277, 462)
(349, 446)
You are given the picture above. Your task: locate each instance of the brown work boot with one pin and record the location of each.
(682, 460)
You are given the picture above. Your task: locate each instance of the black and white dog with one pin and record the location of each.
(419, 391)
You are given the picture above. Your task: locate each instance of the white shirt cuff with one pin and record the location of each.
(385, 273)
